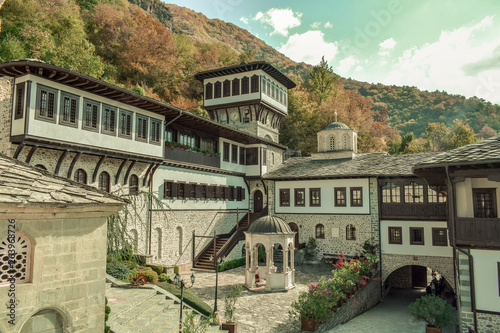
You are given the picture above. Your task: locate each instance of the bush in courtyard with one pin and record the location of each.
(137, 279)
(163, 277)
(159, 269)
(434, 310)
(176, 269)
(117, 270)
(151, 275)
(232, 264)
(129, 264)
(189, 298)
(311, 249)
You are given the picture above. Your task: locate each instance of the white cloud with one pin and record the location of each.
(281, 20)
(309, 47)
(328, 25)
(345, 65)
(244, 19)
(316, 25)
(386, 46)
(446, 63)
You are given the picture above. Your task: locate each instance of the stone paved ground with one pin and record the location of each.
(259, 312)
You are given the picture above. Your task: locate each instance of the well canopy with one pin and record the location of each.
(269, 225)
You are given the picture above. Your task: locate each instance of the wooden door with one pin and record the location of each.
(258, 201)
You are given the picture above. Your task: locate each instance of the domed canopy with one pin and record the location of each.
(337, 125)
(269, 225)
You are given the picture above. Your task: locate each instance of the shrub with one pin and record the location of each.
(232, 264)
(164, 277)
(189, 298)
(129, 264)
(117, 270)
(230, 302)
(434, 310)
(159, 269)
(151, 275)
(137, 279)
(176, 269)
(311, 248)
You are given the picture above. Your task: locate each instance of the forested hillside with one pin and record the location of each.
(155, 50)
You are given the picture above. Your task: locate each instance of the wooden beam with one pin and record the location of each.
(147, 174)
(61, 158)
(53, 74)
(81, 83)
(120, 170)
(125, 181)
(30, 154)
(72, 165)
(152, 173)
(96, 170)
(18, 150)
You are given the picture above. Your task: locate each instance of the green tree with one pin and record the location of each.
(462, 135)
(322, 82)
(438, 135)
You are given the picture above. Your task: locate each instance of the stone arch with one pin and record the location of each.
(59, 318)
(443, 265)
(268, 137)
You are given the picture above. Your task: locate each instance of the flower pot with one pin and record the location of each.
(231, 327)
(431, 329)
(309, 324)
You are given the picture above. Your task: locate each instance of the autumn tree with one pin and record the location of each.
(462, 135)
(486, 132)
(438, 136)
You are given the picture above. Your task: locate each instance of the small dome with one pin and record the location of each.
(337, 125)
(269, 225)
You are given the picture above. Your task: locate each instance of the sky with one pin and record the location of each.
(445, 45)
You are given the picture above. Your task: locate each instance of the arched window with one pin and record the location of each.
(134, 185)
(245, 83)
(17, 265)
(255, 83)
(40, 166)
(320, 231)
(236, 87)
(81, 176)
(332, 143)
(104, 184)
(227, 88)
(217, 89)
(350, 232)
(179, 237)
(135, 240)
(208, 91)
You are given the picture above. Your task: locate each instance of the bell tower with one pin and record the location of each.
(252, 97)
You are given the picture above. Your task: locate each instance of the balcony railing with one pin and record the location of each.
(189, 156)
(478, 232)
(435, 211)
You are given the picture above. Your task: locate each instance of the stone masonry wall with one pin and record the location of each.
(5, 115)
(486, 322)
(69, 270)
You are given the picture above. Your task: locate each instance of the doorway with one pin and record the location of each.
(258, 201)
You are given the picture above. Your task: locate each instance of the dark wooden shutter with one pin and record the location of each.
(174, 190)
(198, 191)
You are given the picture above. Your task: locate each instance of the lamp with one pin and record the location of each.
(217, 263)
(180, 283)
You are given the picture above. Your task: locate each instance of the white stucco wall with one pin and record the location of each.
(487, 279)
(465, 206)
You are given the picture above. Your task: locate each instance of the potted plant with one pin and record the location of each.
(229, 308)
(435, 311)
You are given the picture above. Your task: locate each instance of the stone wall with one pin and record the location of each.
(486, 322)
(5, 115)
(365, 299)
(68, 272)
(401, 278)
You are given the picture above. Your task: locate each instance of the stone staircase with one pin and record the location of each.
(144, 310)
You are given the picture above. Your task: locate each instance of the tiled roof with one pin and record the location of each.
(485, 151)
(23, 184)
(363, 165)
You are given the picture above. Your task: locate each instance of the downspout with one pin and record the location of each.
(451, 211)
(379, 238)
(150, 210)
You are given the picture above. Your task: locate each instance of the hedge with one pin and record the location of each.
(189, 298)
(232, 264)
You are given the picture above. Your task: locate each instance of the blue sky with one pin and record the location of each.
(450, 45)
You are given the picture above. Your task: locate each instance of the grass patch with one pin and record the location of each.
(189, 298)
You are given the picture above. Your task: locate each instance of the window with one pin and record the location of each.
(252, 156)
(192, 191)
(345, 141)
(181, 190)
(264, 156)
(234, 153)
(485, 202)
(395, 235)
(231, 195)
(332, 143)
(439, 237)
(242, 156)
(19, 108)
(18, 265)
(414, 193)
(320, 231)
(227, 88)
(104, 183)
(255, 83)
(108, 119)
(222, 192)
(436, 194)
(142, 128)
(245, 85)
(356, 197)
(236, 87)
(212, 192)
(203, 191)
(125, 130)
(268, 90)
(133, 187)
(208, 91)
(69, 112)
(46, 103)
(300, 197)
(155, 137)
(350, 232)
(340, 197)
(285, 197)
(416, 236)
(168, 189)
(391, 193)
(81, 176)
(225, 151)
(91, 115)
(315, 197)
(217, 89)
(40, 166)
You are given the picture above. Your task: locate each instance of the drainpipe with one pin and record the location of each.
(150, 210)
(456, 259)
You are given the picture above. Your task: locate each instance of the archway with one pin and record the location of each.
(258, 201)
(295, 228)
(52, 321)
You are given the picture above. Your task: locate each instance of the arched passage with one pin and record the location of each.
(258, 201)
(47, 320)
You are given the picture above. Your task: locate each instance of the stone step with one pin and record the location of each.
(122, 299)
(137, 312)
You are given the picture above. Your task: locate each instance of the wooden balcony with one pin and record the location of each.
(435, 211)
(478, 232)
(194, 157)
